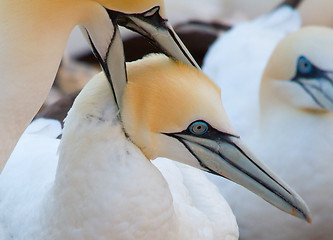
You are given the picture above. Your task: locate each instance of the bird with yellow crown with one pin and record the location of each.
(103, 185)
(33, 37)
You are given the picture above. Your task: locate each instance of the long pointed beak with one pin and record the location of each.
(227, 156)
(110, 56)
(158, 31)
(320, 89)
(104, 38)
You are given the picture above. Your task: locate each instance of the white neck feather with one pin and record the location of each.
(103, 180)
(33, 37)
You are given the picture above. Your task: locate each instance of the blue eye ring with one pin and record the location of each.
(304, 66)
(198, 128)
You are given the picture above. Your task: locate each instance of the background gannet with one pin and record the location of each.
(103, 184)
(291, 128)
(33, 38)
(247, 46)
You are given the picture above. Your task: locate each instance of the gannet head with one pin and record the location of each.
(300, 70)
(133, 7)
(173, 110)
(147, 17)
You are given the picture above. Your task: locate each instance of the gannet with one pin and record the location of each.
(33, 37)
(247, 46)
(290, 112)
(104, 186)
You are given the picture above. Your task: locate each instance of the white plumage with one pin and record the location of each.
(103, 187)
(237, 60)
(36, 153)
(294, 141)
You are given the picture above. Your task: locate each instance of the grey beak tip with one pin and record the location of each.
(303, 212)
(307, 215)
(309, 219)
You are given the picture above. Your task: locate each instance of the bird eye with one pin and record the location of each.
(304, 66)
(198, 128)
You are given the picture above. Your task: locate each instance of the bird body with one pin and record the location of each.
(290, 127)
(103, 185)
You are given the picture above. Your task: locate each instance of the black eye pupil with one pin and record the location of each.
(304, 66)
(198, 128)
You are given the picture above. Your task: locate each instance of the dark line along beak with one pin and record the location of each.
(319, 88)
(226, 156)
(158, 31)
(110, 57)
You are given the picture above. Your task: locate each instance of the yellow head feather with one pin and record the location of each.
(164, 96)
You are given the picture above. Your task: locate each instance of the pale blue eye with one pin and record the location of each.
(304, 66)
(198, 128)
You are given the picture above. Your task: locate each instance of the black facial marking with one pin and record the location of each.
(211, 133)
(215, 135)
(153, 18)
(306, 72)
(103, 63)
(180, 47)
(255, 178)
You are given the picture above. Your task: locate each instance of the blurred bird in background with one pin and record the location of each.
(281, 102)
